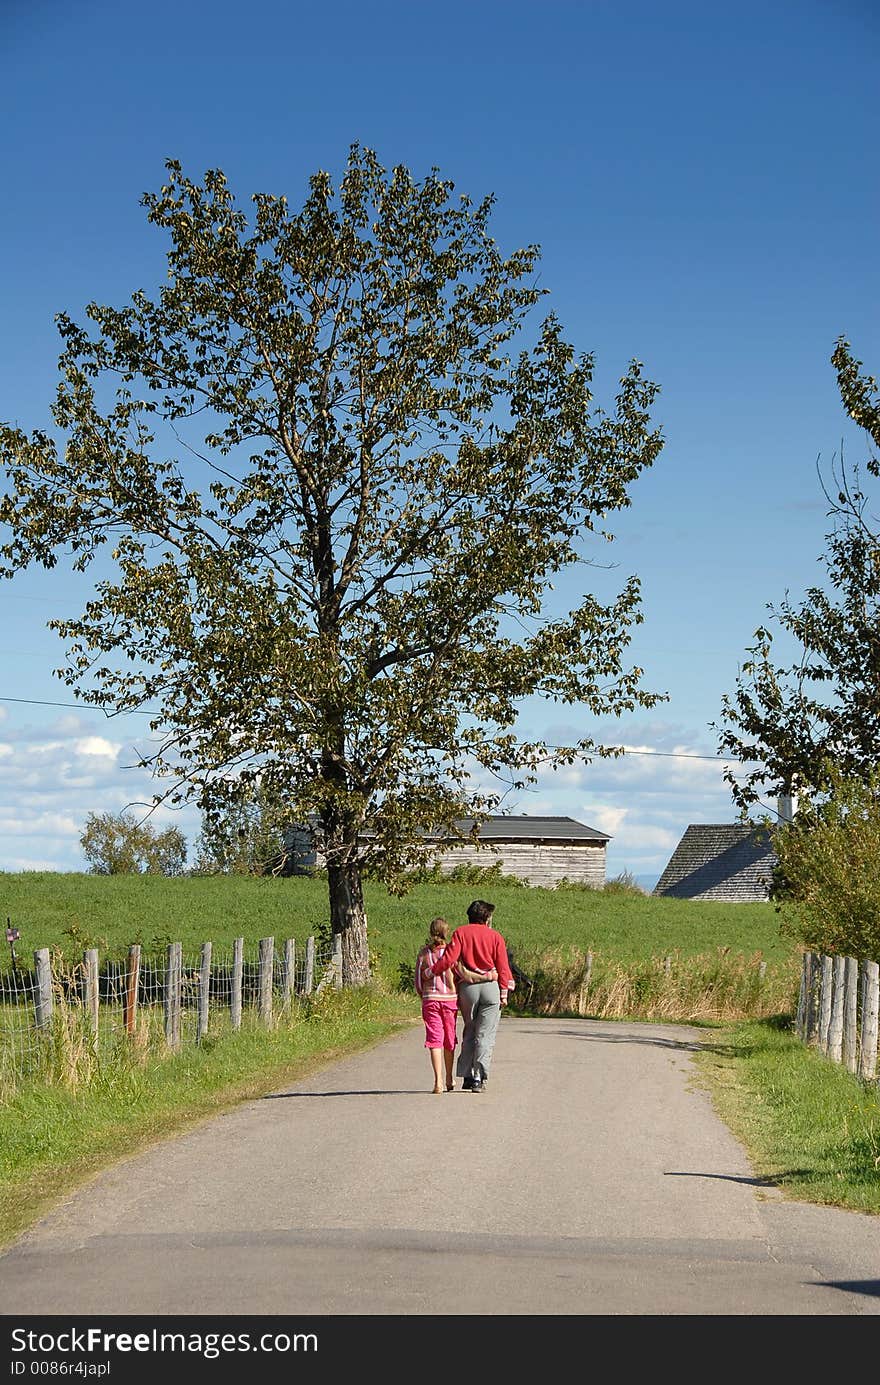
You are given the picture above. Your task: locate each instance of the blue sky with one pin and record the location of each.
(703, 182)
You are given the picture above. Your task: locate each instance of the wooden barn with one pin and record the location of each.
(537, 850)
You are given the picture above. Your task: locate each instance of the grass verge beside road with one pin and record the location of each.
(53, 1139)
(809, 1126)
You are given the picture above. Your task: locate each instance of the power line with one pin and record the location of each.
(75, 706)
(139, 711)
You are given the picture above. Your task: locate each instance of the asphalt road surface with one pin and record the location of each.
(591, 1177)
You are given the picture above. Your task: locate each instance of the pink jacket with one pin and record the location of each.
(432, 987)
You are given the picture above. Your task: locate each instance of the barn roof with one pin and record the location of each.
(509, 827)
(724, 861)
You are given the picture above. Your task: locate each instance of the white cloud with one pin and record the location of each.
(97, 745)
(42, 824)
(51, 778)
(606, 818)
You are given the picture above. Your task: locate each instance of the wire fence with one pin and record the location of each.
(838, 1008)
(66, 1020)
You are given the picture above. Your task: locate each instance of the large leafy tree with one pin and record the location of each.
(331, 498)
(793, 721)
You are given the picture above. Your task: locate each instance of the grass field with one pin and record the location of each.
(71, 911)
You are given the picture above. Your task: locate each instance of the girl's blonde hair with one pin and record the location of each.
(437, 932)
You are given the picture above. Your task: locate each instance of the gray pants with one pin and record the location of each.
(480, 1007)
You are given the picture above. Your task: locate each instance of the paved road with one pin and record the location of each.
(592, 1177)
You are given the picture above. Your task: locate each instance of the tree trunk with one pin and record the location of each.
(349, 919)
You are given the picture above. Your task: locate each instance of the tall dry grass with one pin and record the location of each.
(712, 986)
(67, 1052)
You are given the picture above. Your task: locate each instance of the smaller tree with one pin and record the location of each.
(118, 844)
(247, 837)
(828, 876)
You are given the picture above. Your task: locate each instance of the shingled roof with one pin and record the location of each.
(510, 827)
(725, 861)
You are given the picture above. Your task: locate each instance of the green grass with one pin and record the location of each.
(809, 1126)
(53, 1137)
(113, 911)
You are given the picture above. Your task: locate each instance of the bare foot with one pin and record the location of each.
(437, 1091)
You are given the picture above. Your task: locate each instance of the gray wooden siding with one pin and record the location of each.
(538, 863)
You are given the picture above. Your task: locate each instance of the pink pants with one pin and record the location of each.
(439, 1017)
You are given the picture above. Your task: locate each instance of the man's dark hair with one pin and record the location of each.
(480, 911)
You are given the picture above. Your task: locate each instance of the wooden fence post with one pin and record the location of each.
(132, 984)
(90, 964)
(811, 1016)
(800, 1024)
(309, 979)
(835, 1028)
(870, 1009)
(288, 971)
(825, 988)
(337, 961)
(44, 1001)
(267, 958)
(237, 968)
(204, 993)
(850, 1014)
(173, 969)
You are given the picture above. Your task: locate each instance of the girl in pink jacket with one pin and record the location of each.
(439, 1005)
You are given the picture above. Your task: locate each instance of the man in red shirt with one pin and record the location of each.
(480, 948)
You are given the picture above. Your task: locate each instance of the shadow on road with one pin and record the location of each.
(870, 1287)
(378, 1091)
(764, 1182)
(653, 1041)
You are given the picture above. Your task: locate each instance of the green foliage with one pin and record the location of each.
(483, 877)
(333, 491)
(406, 976)
(118, 844)
(83, 938)
(463, 874)
(859, 396)
(624, 883)
(823, 708)
(828, 880)
(245, 837)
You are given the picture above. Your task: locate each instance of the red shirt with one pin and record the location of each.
(480, 948)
